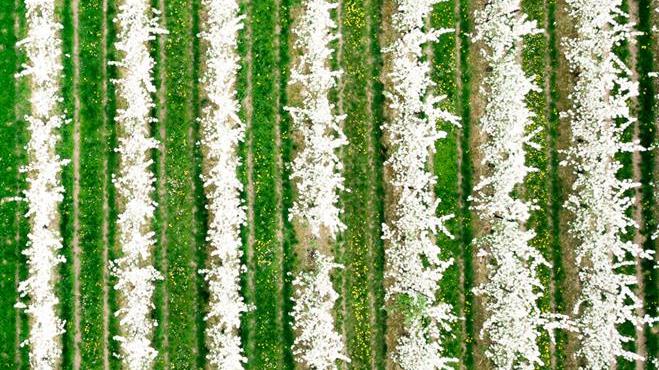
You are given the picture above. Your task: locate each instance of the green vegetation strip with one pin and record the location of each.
(363, 257)
(286, 132)
(263, 327)
(112, 158)
(93, 152)
(67, 275)
(180, 195)
(647, 132)
(466, 169)
(556, 194)
(12, 224)
(445, 165)
(537, 184)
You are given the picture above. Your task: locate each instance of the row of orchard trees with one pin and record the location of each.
(599, 114)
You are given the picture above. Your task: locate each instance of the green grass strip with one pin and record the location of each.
(286, 132)
(179, 200)
(647, 131)
(264, 342)
(67, 276)
(113, 158)
(537, 183)
(159, 260)
(12, 135)
(93, 152)
(445, 167)
(363, 258)
(555, 190)
(464, 218)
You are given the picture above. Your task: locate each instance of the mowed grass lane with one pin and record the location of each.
(13, 226)
(536, 185)
(555, 190)
(647, 123)
(263, 327)
(179, 229)
(94, 151)
(445, 167)
(363, 215)
(67, 276)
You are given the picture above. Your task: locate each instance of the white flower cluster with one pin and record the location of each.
(135, 274)
(43, 46)
(600, 113)
(317, 345)
(222, 132)
(512, 288)
(413, 259)
(316, 167)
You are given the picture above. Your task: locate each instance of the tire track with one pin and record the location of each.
(557, 275)
(75, 242)
(247, 107)
(463, 29)
(161, 256)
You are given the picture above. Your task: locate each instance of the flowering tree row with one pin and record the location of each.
(134, 270)
(413, 264)
(43, 47)
(599, 114)
(317, 344)
(316, 171)
(512, 289)
(222, 131)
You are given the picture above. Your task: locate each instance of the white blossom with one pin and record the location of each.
(43, 47)
(316, 171)
(316, 167)
(317, 344)
(222, 132)
(135, 274)
(512, 288)
(413, 264)
(600, 113)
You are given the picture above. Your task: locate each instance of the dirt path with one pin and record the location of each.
(249, 114)
(340, 250)
(279, 168)
(639, 238)
(76, 186)
(460, 203)
(162, 188)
